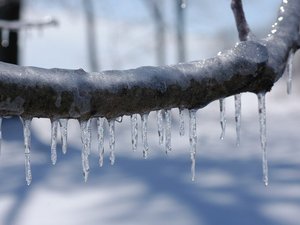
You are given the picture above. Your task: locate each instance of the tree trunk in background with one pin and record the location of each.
(180, 31)
(10, 10)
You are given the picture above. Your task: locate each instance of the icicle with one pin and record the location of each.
(134, 131)
(237, 103)
(181, 122)
(193, 140)
(168, 131)
(0, 134)
(111, 125)
(86, 142)
(222, 117)
(90, 136)
(64, 134)
(290, 72)
(54, 124)
(100, 131)
(160, 120)
(27, 144)
(144, 135)
(5, 38)
(263, 134)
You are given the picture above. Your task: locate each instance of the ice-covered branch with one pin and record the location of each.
(240, 20)
(19, 25)
(252, 66)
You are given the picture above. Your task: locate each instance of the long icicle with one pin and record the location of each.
(54, 125)
(111, 124)
(144, 135)
(168, 131)
(134, 131)
(237, 104)
(64, 134)
(100, 133)
(181, 122)
(27, 144)
(193, 140)
(263, 135)
(160, 128)
(85, 139)
(222, 117)
(290, 71)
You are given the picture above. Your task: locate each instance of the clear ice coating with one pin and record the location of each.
(111, 125)
(86, 143)
(134, 131)
(27, 144)
(5, 38)
(263, 135)
(144, 134)
(54, 125)
(100, 133)
(237, 104)
(168, 131)
(0, 134)
(64, 134)
(181, 122)
(193, 140)
(290, 72)
(160, 126)
(222, 117)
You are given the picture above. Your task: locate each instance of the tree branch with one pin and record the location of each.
(19, 25)
(250, 66)
(240, 20)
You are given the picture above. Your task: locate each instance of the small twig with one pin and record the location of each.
(19, 25)
(240, 20)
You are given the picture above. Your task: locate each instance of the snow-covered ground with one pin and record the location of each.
(228, 187)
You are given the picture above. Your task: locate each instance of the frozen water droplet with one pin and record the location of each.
(290, 72)
(0, 134)
(64, 134)
(181, 122)
(237, 104)
(160, 120)
(54, 125)
(27, 144)
(144, 135)
(86, 145)
(111, 124)
(5, 38)
(263, 134)
(134, 131)
(168, 131)
(193, 140)
(183, 4)
(100, 132)
(222, 117)
(119, 119)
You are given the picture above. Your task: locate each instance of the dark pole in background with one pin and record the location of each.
(160, 34)
(10, 10)
(91, 35)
